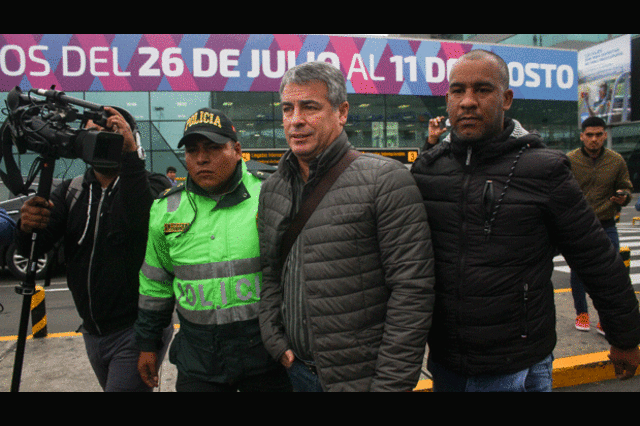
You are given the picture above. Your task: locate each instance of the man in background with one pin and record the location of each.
(604, 179)
(171, 175)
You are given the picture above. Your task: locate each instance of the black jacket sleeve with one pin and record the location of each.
(589, 252)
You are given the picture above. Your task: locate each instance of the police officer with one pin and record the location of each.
(203, 257)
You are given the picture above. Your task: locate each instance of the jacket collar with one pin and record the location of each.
(513, 137)
(235, 195)
(586, 154)
(288, 164)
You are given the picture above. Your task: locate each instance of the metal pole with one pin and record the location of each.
(28, 287)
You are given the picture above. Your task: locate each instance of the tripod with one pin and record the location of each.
(27, 288)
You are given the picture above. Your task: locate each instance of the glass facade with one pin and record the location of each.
(375, 121)
(625, 139)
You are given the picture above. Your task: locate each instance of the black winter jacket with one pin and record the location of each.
(498, 210)
(103, 265)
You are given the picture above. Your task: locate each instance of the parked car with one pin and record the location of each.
(9, 258)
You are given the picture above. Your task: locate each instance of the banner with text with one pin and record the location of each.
(256, 62)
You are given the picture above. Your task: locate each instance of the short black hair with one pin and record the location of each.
(593, 121)
(171, 169)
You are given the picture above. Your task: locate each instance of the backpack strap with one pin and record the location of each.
(312, 202)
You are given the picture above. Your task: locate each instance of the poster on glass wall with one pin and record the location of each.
(604, 81)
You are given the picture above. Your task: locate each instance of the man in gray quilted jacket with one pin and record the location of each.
(348, 308)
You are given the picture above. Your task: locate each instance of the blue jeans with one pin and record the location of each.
(577, 289)
(537, 378)
(302, 378)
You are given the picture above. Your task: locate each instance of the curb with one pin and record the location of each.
(582, 369)
(569, 371)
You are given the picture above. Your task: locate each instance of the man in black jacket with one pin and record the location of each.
(499, 204)
(103, 217)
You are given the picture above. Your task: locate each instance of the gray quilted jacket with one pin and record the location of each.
(368, 268)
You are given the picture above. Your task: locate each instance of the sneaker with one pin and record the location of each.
(582, 322)
(599, 329)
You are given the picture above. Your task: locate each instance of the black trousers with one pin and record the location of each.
(272, 381)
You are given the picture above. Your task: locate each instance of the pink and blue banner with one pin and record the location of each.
(256, 62)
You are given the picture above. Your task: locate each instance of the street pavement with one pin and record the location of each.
(58, 362)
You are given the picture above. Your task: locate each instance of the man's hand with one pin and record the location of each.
(620, 198)
(35, 214)
(435, 130)
(287, 358)
(625, 361)
(148, 368)
(116, 123)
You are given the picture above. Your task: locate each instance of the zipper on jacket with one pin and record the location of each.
(93, 249)
(525, 300)
(462, 259)
(487, 202)
(468, 161)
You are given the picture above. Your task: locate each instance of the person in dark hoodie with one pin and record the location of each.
(103, 217)
(499, 204)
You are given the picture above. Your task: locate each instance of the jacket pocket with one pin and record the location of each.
(197, 353)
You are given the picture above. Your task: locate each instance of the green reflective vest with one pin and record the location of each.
(203, 257)
(204, 252)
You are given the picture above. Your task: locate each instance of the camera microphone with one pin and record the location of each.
(57, 95)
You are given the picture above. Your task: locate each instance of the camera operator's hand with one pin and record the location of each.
(35, 214)
(116, 123)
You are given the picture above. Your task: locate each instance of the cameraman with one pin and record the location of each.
(103, 217)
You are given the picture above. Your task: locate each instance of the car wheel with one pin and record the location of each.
(17, 264)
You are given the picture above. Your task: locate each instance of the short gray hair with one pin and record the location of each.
(318, 71)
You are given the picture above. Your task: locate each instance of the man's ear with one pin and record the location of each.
(508, 99)
(343, 110)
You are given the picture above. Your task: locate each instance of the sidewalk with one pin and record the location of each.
(58, 363)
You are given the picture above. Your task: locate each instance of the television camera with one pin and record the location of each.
(42, 124)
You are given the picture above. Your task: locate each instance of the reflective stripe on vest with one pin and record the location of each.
(156, 274)
(173, 202)
(203, 317)
(199, 308)
(214, 270)
(159, 304)
(220, 316)
(204, 271)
